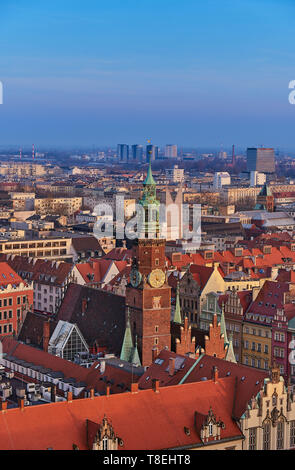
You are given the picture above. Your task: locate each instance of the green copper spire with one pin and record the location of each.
(135, 356)
(177, 313)
(127, 347)
(149, 178)
(222, 326)
(230, 355)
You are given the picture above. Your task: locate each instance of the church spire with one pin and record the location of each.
(127, 347)
(230, 354)
(223, 326)
(135, 356)
(177, 313)
(149, 177)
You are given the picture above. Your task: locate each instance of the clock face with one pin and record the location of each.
(156, 278)
(135, 278)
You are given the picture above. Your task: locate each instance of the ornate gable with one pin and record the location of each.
(102, 436)
(209, 427)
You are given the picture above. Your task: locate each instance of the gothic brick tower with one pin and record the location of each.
(148, 296)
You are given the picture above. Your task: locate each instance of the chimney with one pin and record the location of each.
(155, 353)
(21, 403)
(3, 405)
(46, 335)
(134, 388)
(171, 366)
(92, 393)
(215, 374)
(108, 390)
(53, 393)
(69, 396)
(156, 385)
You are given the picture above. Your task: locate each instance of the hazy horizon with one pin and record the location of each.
(201, 75)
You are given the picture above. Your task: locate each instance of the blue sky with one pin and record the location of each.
(195, 73)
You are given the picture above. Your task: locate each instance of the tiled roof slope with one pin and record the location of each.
(32, 329)
(145, 420)
(102, 322)
(116, 374)
(32, 269)
(189, 370)
(9, 276)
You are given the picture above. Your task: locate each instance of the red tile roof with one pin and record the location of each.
(145, 420)
(9, 276)
(119, 254)
(118, 378)
(194, 370)
(35, 269)
(269, 298)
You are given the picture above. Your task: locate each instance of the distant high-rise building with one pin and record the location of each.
(222, 155)
(137, 153)
(257, 179)
(261, 159)
(152, 150)
(171, 151)
(221, 178)
(176, 175)
(123, 152)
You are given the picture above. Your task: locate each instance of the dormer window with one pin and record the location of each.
(210, 428)
(105, 443)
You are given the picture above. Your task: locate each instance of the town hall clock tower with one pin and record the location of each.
(148, 296)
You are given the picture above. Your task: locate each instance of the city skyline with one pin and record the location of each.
(200, 76)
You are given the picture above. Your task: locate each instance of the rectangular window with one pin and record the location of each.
(292, 433)
(266, 436)
(280, 435)
(252, 438)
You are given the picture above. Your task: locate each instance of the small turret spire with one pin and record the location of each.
(177, 313)
(127, 347)
(223, 326)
